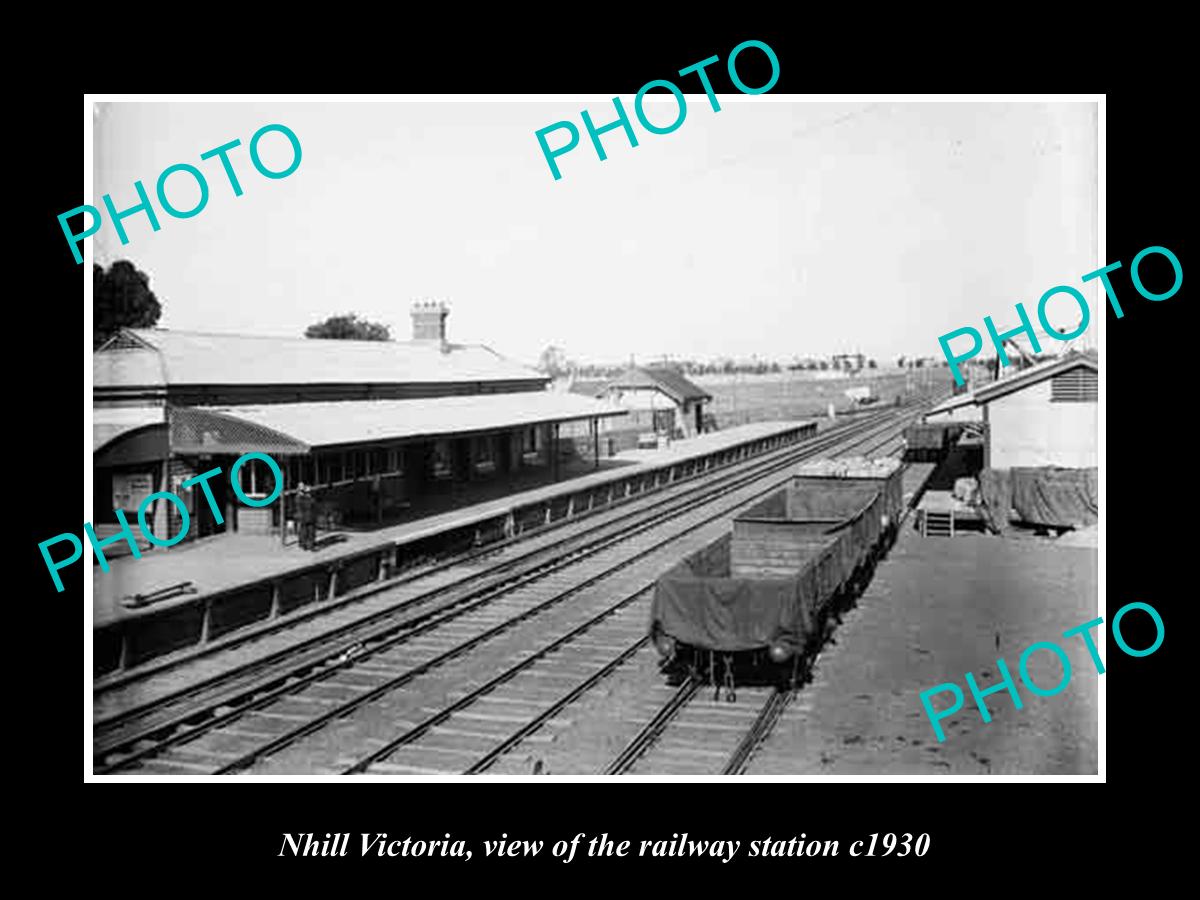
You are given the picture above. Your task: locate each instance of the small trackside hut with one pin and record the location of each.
(755, 604)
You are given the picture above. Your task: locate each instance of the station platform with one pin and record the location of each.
(240, 580)
(936, 609)
(916, 477)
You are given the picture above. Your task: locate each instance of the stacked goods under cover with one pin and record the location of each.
(929, 441)
(768, 585)
(1047, 496)
(925, 436)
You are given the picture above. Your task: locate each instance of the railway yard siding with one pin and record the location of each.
(459, 679)
(938, 607)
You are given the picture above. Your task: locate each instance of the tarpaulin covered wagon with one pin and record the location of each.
(763, 591)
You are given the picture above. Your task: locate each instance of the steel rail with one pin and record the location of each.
(649, 734)
(486, 761)
(629, 756)
(291, 736)
(691, 482)
(428, 619)
(493, 578)
(761, 728)
(860, 433)
(508, 674)
(758, 731)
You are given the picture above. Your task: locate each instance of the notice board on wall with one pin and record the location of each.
(130, 489)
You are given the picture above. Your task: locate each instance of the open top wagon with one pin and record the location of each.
(757, 600)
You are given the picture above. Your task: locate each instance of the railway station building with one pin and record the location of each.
(1044, 415)
(658, 399)
(370, 426)
(1031, 440)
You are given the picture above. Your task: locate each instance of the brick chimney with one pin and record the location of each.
(429, 321)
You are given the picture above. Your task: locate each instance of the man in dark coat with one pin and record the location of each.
(375, 488)
(306, 517)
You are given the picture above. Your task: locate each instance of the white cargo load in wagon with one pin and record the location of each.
(850, 467)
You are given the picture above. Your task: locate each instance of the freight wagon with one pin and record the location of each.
(755, 604)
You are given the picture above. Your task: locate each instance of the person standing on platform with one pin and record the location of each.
(306, 514)
(376, 490)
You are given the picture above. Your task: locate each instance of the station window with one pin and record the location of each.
(256, 478)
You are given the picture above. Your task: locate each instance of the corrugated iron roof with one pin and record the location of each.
(587, 387)
(953, 402)
(362, 421)
(202, 430)
(671, 382)
(197, 358)
(1033, 375)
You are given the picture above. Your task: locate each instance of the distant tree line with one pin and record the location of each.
(554, 362)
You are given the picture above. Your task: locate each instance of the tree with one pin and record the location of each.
(348, 328)
(121, 298)
(900, 363)
(824, 365)
(553, 362)
(871, 364)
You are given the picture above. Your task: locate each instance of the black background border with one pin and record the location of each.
(149, 830)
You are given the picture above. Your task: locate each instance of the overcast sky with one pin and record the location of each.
(772, 228)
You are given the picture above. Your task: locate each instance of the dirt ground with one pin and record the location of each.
(936, 609)
(800, 395)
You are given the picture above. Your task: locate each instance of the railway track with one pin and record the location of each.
(485, 567)
(701, 732)
(148, 698)
(312, 701)
(486, 724)
(133, 708)
(690, 730)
